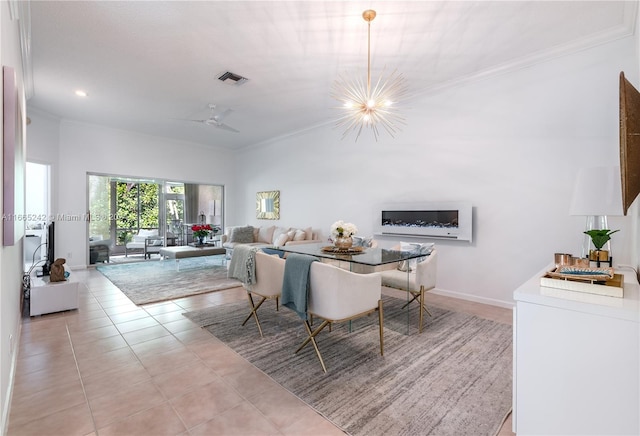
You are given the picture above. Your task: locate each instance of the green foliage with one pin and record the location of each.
(137, 208)
(600, 237)
(124, 237)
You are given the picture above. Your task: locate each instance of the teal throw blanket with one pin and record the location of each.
(295, 284)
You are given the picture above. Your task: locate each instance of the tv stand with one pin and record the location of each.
(48, 297)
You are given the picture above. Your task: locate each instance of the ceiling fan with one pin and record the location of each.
(216, 120)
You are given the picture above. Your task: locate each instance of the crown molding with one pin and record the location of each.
(625, 29)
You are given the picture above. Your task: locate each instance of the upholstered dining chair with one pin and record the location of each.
(420, 279)
(337, 295)
(268, 284)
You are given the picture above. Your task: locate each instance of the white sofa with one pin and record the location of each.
(266, 236)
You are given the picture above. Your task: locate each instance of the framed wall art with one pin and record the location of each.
(268, 205)
(13, 150)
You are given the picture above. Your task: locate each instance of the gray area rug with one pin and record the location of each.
(150, 282)
(455, 378)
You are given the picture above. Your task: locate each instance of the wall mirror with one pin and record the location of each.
(268, 205)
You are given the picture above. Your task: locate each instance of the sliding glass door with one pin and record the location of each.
(120, 207)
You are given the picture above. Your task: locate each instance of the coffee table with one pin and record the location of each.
(184, 251)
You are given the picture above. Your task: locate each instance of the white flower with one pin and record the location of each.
(340, 228)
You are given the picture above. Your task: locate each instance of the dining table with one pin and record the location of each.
(361, 260)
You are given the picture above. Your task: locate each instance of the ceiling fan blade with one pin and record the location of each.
(221, 116)
(187, 119)
(225, 127)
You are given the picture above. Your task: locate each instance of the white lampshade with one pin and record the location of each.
(597, 192)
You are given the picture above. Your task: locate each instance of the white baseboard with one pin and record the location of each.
(474, 298)
(12, 375)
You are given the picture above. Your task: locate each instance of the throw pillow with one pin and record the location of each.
(281, 240)
(277, 232)
(411, 264)
(242, 235)
(425, 248)
(300, 235)
(265, 234)
(359, 241)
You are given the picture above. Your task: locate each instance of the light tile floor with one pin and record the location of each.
(114, 368)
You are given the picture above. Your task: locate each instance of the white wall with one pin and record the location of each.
(83, 148)
(511, 144)
(11, 263)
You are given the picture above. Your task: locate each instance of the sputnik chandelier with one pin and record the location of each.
(366, 107)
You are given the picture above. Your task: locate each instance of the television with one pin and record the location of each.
(51, 248)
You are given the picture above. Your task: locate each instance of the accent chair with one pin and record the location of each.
(421, 278)
(269, 272)
(337, 295)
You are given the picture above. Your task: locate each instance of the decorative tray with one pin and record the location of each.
(582, 273)
(613, 287)
(336, 250)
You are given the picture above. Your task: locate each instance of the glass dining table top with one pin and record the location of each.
(368, 256)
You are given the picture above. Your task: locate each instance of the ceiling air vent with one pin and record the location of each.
(232, 79)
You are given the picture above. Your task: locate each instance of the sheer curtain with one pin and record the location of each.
(191, 197)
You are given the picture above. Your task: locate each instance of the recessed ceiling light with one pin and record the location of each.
(81, 93)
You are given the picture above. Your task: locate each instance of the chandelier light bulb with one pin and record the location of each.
(367, 107)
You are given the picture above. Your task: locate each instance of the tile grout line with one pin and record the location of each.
(84, 392)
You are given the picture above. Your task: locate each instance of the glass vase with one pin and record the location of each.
(343, 242)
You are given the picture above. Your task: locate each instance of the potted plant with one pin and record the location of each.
(599, 238)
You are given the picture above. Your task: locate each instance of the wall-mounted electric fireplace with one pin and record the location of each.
(443, 220)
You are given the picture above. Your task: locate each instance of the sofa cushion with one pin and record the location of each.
(147, 233)
(232, 245)
(265, 235)
(242, 234)
(308, 234)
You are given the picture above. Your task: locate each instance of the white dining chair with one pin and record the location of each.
(420, 279)
(269, 272)
(337, 295)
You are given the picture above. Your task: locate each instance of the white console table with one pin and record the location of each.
(47, 297)
(576, 361)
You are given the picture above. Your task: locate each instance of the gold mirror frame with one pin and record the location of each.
(268, 205)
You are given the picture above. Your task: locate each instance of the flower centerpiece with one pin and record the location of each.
(200, 231)
(341, 233)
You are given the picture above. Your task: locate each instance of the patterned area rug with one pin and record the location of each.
(452, 379)
(150, 282)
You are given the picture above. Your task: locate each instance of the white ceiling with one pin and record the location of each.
(147, 63)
